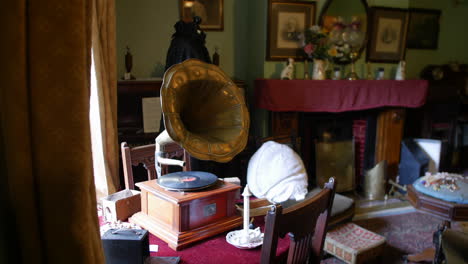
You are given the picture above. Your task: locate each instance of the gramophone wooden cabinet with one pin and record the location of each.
(181, 218)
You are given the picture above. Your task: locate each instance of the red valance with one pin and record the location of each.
(338, 95)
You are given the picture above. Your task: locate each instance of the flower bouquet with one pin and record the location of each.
(314, 43)
(315, 46)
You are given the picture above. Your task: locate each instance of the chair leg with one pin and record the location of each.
(433, 254)
(437, 241)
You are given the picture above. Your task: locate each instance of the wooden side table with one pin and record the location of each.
(446, 211)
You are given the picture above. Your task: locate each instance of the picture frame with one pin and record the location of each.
(286, 20)
(211, 13)
(423, 28)
(387, 34)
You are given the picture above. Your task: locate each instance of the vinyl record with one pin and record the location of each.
(187, 180)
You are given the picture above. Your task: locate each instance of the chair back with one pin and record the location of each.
(306, 222)
(133, 156)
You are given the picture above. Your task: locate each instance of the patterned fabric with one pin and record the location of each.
(351, 243)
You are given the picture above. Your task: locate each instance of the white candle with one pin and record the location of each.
(246, 195)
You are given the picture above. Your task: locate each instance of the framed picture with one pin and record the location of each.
(286, 20)
(387, 34)
(210, 12)
(423, 29)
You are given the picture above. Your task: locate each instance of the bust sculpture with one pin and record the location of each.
(188, 42)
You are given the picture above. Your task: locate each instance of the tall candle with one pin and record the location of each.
(246, 195)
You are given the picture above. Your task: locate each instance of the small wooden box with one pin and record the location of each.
(121, 205)
(181, 218)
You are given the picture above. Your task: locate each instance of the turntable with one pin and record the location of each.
(181, 217)
(187, 180)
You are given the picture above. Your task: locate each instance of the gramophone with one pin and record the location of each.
(205, 113)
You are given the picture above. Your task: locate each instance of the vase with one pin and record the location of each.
(319, 69)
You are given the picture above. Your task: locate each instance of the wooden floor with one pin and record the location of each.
(365, 208)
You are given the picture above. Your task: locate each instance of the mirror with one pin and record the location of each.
(346, 22)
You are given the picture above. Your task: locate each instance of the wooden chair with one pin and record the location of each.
(306, 223)
(133, 156)
(291, 140)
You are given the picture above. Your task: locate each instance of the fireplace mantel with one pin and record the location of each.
(338, 95)
(285, 98)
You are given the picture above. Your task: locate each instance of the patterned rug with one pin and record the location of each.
(405, 234)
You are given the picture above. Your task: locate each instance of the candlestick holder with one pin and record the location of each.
(352, 75)
(255, 238)
(245, 238)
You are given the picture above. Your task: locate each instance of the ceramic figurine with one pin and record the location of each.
(401, 71)
(288, 72)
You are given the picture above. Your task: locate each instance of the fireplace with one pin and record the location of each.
(373, 112)
(339, 145)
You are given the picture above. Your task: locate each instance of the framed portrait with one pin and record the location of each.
(286, 21)
(387, 34)
(423, 28)
(210, 11)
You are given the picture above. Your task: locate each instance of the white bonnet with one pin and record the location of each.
(277, 173)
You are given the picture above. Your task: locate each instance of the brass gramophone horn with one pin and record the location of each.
(204, 112)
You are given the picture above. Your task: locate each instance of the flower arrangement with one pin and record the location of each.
(314, 43)
(340, 53)
(344, 40)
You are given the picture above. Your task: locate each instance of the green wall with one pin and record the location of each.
(453, 37)
(146, 27)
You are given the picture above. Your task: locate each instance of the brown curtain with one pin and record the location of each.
(103, 42)
(46, 161)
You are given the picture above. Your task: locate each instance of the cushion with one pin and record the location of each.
(442, 191)
(277, 173)
(353, 244)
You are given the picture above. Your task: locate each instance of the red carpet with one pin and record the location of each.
(405, 234)
(214, 250)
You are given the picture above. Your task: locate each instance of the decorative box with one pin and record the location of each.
(121, 205)
(353, 244)
(122, 246)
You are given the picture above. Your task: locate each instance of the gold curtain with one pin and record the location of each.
(103, 42)
(46, 161)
